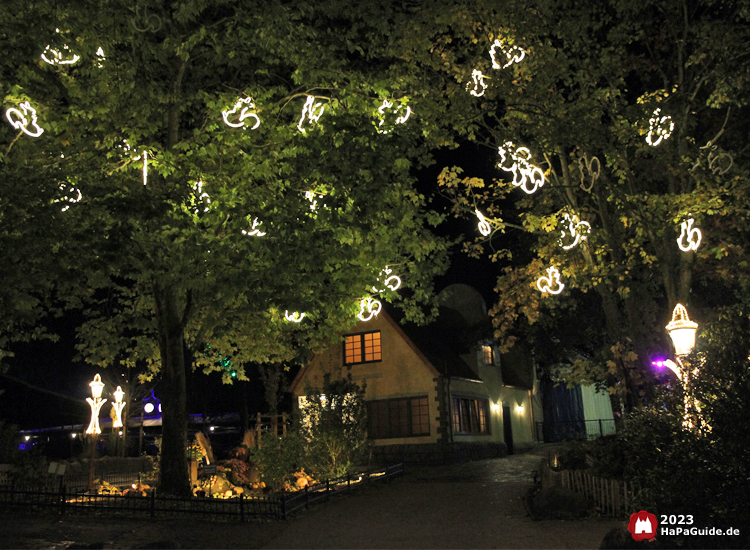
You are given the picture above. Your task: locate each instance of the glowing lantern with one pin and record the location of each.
(513, 54)
(545, 284)
(690, 237)
(660, 128)
(295, 317)
(576, 229)
(117, 406)
(518, 163)
(682, 331)
(245, 104)
(484, 226)
(479, 87)
(96, 404)
(18, 119)
(368, 308)
(311, 111)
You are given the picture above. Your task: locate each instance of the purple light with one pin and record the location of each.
(659, 363)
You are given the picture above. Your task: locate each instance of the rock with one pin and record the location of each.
(620, 537)
(559, 502)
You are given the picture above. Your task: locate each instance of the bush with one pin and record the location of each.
(278, 458)
(8, 443)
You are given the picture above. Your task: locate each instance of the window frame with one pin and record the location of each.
(393, 404)
(361, 336)
(474, 411)
(491, 353)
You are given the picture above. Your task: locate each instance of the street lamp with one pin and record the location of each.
(96, 404)
(118, 405)
(682, 332)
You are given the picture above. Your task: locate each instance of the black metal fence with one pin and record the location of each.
(63, 500)
(554, 432)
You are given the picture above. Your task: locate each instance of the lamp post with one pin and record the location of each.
(94, 430)
(117, 408)
(682, 332)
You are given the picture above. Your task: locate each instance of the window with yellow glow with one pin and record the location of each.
(470, 416)
(487, 355)
(362, 348)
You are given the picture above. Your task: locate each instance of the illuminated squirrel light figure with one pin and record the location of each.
(479, 87)
(484, 226)
(395, 280)
(523, 171)
(67, 197)
(254, 230)
(370, 306)
(592, 167)
(513, 54)
(312, 111)
(690, 237)
(544, 284)
(245, 104)
(202, 196)
(387, 106)
(658, 126)
(573, 227)
(21, 122)
(295, 317)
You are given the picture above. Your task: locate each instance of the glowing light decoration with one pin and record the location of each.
(368, 308)
(660, 128)
(245, 105)
(478, 87)
(96, 404)
(590, 168)
(295, 317)
(388, 108)
(117, 407)
(63, 56)
(484, 226)
(513, 54)
(24, 120)
(100, 55)
(144, 21)
(576, 229)
(392, 281)
(70, 196)
(202, 196)
(145, 167)
(517, 162)
(682, 331)
(690, 237)
(311, 112)
(545, 284)
(254, 230)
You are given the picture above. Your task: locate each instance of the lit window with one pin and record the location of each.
(470, 416)
(362, 348)
(487, 355)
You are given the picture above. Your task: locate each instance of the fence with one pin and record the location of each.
(554, 432)
(64, 501)
(612, 497)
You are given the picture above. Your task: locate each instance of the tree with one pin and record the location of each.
(165, 237)
(593, 100)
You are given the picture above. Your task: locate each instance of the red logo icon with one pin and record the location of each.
(642, 526)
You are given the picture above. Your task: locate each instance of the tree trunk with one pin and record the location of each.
(174, 465)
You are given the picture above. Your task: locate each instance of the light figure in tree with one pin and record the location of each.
(690, 237)
(145, 167)
(72, 196)
(100, 55)
(517, 162)
(484, 226)
(577, 230)
(478, 87)
(201, 196)
(392, 281)
(245, 105)
(24, 120)
(660, 128)
(311, 111)
(545, 284)
(63, 56)
(368, 308)
(513, 54)
(295, 317)
(254, 230)
(591, 168)
(388, 108)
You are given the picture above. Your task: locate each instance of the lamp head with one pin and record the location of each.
(96, 387)
(682, 331)
(118, 393)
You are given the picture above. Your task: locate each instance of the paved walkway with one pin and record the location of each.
(473, 505)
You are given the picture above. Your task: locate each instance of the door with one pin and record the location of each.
(507, 429)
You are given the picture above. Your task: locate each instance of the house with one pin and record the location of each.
(431, 396)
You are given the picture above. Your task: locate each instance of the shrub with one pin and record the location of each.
(278, 458)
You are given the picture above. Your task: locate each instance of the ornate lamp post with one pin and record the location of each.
(118, 405)
(94, 430)
(682, 332)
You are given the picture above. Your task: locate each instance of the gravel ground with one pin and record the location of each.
(473, 505)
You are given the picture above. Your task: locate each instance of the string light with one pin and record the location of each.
(368, 306)
(68, 198)
(295, 317)
(484, 226)
(254, 231)
(662, 126)
(395, 280)
(21, 122)
(545, 284)
(576, 234)
(479, 87)
(312, 111)
(244, 113)
(388, 106)
(523, 170)
(690, 237)
(513, 54)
